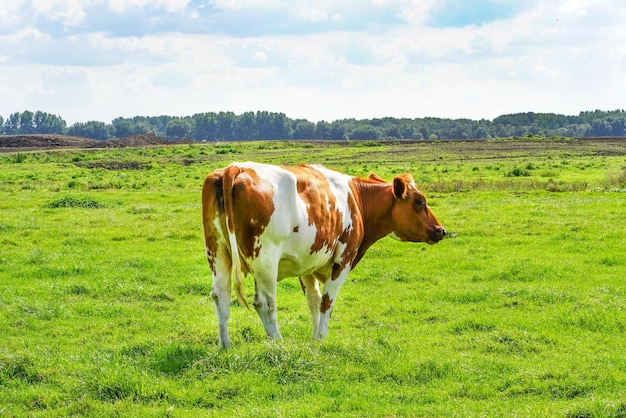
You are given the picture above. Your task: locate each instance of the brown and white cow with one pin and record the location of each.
(308, 221)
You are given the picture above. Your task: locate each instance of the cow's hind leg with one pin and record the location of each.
(220, 293)
(313, 299)
(265, 305)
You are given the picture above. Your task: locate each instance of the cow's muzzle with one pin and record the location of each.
(437, 234)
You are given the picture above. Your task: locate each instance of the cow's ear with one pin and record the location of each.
(400, 187)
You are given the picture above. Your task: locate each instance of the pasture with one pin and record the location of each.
(521, 311)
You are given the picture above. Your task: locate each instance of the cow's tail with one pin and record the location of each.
(236, 272)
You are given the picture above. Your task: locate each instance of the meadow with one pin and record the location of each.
(520, 311)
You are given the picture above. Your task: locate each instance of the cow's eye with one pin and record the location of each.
(420, 202)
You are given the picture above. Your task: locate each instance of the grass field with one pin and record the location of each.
(521, 311)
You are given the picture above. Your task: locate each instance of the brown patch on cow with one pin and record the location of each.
(252, 208)
(212, 207)
(326, 303)
(322, 208)
(337, 268)
(352, 237)
(296, 229)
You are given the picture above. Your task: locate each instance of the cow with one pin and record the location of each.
(308, 221)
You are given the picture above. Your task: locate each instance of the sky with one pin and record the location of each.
(87, 60)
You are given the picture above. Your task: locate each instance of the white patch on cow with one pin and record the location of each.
(280, 248)
(341, 247)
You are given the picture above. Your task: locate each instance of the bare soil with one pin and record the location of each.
(13, 143)
(610, 146)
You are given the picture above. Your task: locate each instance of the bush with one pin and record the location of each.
(75, 202)
(518, 172)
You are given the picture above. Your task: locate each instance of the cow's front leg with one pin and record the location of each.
(329, 296)
(265, 305)
(313, 299)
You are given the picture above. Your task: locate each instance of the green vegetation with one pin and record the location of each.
(105, 307)
(74, 202)
(228, 126)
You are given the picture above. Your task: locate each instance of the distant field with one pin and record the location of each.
(521, 311)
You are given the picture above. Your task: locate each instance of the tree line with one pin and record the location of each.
(228, 126)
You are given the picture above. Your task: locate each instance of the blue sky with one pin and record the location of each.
(320, 60)
(461, 13)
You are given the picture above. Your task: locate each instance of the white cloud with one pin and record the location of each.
(11, 15)
(318, 60)
(318, 14)
(416, 11)
(120, 6)
(246, 4)
(260, 56)
(69, 12)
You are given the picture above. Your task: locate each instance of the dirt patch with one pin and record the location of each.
(135, 141)
(115, 165)
(13, 143)
(32, 142)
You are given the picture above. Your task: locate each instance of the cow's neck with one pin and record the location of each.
(375, 201)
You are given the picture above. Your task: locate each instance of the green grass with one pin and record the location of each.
(105, 307)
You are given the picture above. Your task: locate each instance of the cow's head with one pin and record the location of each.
(411, 217)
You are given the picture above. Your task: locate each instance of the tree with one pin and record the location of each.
(365, 132)
(503, 131)
(226, 122)
(159, 123)
(27, 123)
(179, 128)
(12, 124)
(394, 132)
(481, 132)
(460, 131)
(618, 126)
(92, 129)
(303, 129)
(127, 127)
(281, 126)
(205, 126)
(601, 127)
(46, 123)
(322, 130)
(272, 125)
(337, 130)
(123, 127)
(142, 127)
(264, 125)
(248, 128)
